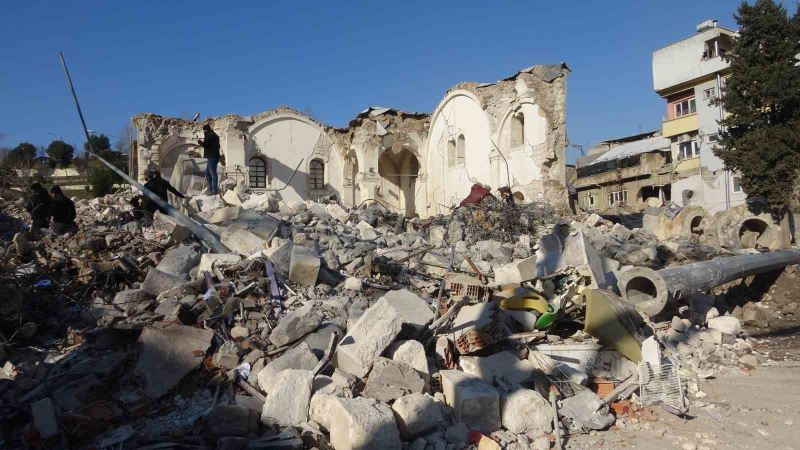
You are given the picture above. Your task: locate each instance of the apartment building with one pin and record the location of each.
(690, 76)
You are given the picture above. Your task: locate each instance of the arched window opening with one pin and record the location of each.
(316, 174)
(517, 130)
(460, 146)
(257, 169)
(451, 153)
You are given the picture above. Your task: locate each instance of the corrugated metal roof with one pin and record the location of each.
(653, 144)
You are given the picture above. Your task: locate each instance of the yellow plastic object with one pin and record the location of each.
(523, 298)
(611, 320)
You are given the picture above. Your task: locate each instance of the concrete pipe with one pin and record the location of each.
(651, 291)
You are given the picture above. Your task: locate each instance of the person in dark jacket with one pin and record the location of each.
(39, 206)
(62, 211)
(160, 187)
(210, 144)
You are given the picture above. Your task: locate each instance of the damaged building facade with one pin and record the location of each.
(509, 133)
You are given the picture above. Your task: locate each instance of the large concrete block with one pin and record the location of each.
(304, 266)
(288, 401)
(300, 357)
(416, 414)
(337, 212)
(323, 408)
(499, 365)
(167, 224)
(516, 272)
(410, 352)
(415, 312)
(369, 337)
(363, 424)
(526, 411)
(296, 324)
(474, 402)
(366, 232)
(179, 261)
(242, 241)
(218, 216)
(156, 282)
(390, 380)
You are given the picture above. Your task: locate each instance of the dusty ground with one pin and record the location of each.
(759, 410)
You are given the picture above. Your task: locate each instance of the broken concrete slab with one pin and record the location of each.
(242, 241)
(169, 353)
(168, 225)
(474, 402)
(232, 198)
(366, 232)
(499, 365)
(304, 266)
(296, 324)
(129, 297)
(368, 338)
(415, 312)
(322, 408)
(416, 414)
(219, 260)
(587, 410)
(410, 352)
(526, 411)
(157, 282)
(218, 216)
(337, 212)
(179, 261)
(288, 401)
(389, 380)
(726, 324)
(299, 357)
(363, 424)
(516, 272)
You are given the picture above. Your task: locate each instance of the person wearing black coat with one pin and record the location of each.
(160, 187)
(39, 206)
(62, 211)
(210, 144)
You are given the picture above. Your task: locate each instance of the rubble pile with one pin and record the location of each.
(499, 326)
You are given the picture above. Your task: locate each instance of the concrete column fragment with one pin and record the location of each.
(363, 424)
(304, 266)
(368, 338)
(474, 402)
(288, 401)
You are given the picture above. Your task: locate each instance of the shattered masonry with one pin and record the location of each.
(508, 133)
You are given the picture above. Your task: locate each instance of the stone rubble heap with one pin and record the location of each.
(333, 328)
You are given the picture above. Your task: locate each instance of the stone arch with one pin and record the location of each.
(171, 149)
(398, 171)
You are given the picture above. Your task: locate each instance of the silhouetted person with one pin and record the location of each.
(210, 144)
(161, 188)
(62, 211)
(39, 207)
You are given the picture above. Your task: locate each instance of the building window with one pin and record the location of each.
(685, 107)
(590, 202)
(710, 93)
(257, 168)
(712, 137)
(737, 184)
(460, 146)
(618, 197)
(688, 150)
(517, 130)
(316, 174)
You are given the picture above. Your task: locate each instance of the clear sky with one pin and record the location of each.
(334, 58)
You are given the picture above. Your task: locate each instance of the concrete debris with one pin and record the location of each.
(327, 326)
(389, 380)
(289, 399)
(474, 402)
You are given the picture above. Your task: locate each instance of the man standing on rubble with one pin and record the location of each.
(39, 206)
(210, 144)
(62, 210)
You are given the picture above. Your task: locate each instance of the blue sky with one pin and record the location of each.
(334, 58)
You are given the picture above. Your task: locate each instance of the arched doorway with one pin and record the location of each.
(398, 173)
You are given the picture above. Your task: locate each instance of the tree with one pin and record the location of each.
(761, 133)
(101, 180)
(21, 156)
(99, 142)
(60, 152)
(123, 144)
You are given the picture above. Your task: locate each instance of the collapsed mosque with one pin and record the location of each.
(508, 133)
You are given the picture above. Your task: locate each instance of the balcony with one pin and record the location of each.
(680, 125)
